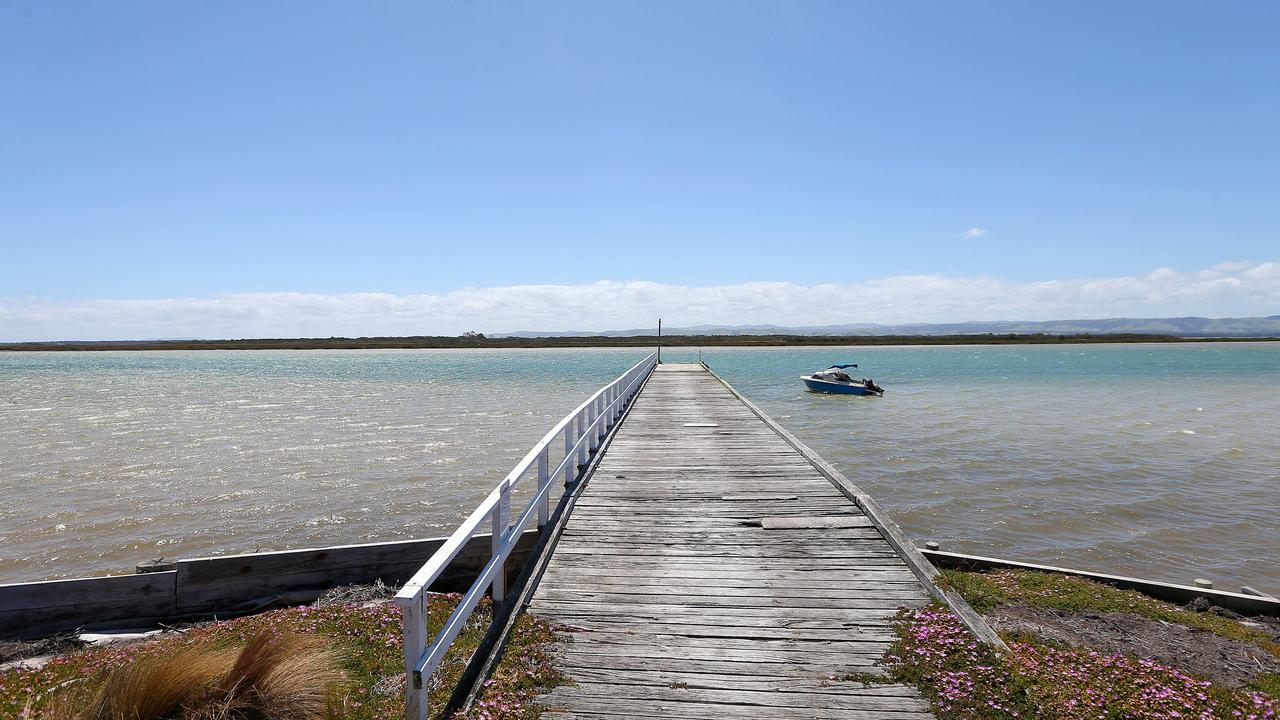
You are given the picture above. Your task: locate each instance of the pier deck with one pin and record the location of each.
(708, 570)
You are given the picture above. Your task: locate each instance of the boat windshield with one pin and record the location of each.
(833, 373)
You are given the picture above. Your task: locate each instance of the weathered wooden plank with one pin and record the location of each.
(807, 523)
(804, 669)
(737, 601)
(664, 587)
(704, 651)
(737, 535)
(631, 710)
(777, 579)
(872, 697)
(713, 556)
(851, 650)
(709, 568)
(779, 618)
(781, 615)
(761, 632)
(761, 681)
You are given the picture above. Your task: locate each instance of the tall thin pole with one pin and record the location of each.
(659, 340)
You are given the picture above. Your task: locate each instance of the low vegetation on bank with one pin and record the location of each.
(1080, 650)
(329, 662)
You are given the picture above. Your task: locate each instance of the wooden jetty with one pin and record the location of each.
(704, 564)
(709, 570)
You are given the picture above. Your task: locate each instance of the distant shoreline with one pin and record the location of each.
(429, 342)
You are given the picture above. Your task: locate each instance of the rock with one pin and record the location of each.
(34, 663)
(1199, 605)
(99, 639)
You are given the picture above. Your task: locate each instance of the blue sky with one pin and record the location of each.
(200, 150)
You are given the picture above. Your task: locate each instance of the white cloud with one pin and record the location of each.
(974, 232)
(1224, 290)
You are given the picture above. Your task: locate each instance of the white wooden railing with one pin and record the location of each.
(583, 431)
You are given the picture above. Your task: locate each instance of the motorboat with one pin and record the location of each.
(836, 380)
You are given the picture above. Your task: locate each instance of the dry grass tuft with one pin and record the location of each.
(276, 676)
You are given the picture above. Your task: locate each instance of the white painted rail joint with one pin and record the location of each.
(583, 430)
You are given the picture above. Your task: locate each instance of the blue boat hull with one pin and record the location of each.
(837, 388)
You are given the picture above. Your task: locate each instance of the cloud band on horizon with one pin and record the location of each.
(1228, 289)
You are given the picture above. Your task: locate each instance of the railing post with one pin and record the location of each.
(582, 430)
(592, 415)
(544, 479)
(600, 427)
(568, 451)
(414, 620)
(501, 518)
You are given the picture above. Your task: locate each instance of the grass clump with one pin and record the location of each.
(963, 679)
(277, 675)
(987, 591)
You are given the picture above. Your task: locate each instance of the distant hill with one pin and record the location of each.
(1180, 327)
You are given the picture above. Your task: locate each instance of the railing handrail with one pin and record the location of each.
(594, 418)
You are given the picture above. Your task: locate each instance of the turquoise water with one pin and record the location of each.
(1156, 460)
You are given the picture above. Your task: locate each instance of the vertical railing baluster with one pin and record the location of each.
(600, 425)
(568, 452)
(582, 430)
(414, 622)
(544, 479)
(501, 518)
(592, 415)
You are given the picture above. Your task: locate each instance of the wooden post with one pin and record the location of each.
(582, 430)
(593, 412)
(544, 479)
(501, 518)
(568, 452)
(414, 620)
(659, 340)
(601, 427)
